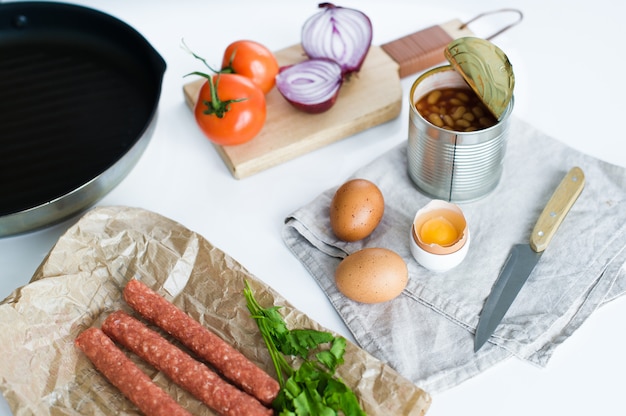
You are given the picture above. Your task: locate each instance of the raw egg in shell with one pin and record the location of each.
(372, 275)
(356, 209)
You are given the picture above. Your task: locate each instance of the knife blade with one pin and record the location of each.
(523, 257)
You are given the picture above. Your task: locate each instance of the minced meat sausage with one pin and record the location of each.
(133, 383)
(207, 345)
(181, 368)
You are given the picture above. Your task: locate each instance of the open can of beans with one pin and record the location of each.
(458, 126)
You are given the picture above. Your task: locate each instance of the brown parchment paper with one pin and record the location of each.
(80, 282)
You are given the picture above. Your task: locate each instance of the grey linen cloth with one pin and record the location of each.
(427, 333)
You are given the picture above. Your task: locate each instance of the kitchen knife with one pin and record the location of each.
(523, 257)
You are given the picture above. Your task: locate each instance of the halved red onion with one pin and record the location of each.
(312, 85)
(338, 33)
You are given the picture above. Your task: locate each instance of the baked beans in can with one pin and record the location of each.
(451, 155)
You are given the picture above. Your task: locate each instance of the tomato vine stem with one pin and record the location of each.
(216, 106)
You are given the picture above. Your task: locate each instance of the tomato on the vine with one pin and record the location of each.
(230, 109)
(252, 60)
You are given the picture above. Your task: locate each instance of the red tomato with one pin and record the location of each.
(236, 115)
(252, 60)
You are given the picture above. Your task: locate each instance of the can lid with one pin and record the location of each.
(485, 68)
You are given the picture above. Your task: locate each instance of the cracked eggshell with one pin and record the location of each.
(439, 257)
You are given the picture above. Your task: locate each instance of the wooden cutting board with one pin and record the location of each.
(369, 98)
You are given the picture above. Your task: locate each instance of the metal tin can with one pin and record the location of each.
(451, 165)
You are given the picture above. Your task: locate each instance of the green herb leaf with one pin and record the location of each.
(300, 341)
(311, 389)
(333, 357)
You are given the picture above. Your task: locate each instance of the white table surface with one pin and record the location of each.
(569, 84)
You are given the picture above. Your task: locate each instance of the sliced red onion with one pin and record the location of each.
(312, 85)
(338, 33)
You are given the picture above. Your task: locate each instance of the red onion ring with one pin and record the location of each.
(338, 33)
(312, 85)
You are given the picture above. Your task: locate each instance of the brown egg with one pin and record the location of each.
(372, 275)
(356, 209)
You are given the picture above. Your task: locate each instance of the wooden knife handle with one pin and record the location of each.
(557, 208)
(423, 49)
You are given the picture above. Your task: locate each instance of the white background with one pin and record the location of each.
(567, 58)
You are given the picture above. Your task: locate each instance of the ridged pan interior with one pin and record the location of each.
(77, 90)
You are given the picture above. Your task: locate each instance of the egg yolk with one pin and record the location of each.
(438, 230)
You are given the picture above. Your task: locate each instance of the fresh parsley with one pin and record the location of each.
(312, 388)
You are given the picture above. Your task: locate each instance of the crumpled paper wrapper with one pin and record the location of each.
(80, 282)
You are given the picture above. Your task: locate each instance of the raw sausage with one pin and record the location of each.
(126, 376)
(181, 368)
(205, 344)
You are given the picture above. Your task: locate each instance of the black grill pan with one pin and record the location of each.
(78, 99)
